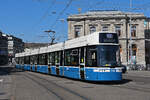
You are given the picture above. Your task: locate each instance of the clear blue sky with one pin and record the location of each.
(28, 19)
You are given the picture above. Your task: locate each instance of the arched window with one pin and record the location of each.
(105, 28)
(134, 49)
(133, 30)
(118, 29)
(77, 30)
(92, 29)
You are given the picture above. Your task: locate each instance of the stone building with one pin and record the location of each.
(3, 49)
(15, 45)
(114, 21)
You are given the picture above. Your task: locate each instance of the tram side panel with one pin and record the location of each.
(43, 69)
(71, 72)
(34, 68)
(90, 74)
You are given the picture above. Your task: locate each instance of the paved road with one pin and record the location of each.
(20, 85)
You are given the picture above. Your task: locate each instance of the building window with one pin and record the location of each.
(92, 29)
(118, 29)
(133, 31)
(120, 52)
(134, 51)
(105, 28)
(120, 48)
(77, 30)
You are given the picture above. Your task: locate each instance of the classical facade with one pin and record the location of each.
(114, 21)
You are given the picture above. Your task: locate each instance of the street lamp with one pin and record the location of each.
(130, 46)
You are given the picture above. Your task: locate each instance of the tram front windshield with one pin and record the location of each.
(108, 55)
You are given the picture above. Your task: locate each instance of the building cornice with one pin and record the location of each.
(132, 38)
(102, 18)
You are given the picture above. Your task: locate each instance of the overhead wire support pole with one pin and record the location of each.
(52, 37)
(130, 23)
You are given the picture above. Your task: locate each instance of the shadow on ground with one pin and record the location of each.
(123, 81)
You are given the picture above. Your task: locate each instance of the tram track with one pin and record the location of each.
(134, 86)
(45, 87)
(62, 92)
(140, 89)
(58, 91)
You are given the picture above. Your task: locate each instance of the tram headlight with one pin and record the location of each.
(118, 70)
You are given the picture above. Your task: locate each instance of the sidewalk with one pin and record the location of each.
(138, 73)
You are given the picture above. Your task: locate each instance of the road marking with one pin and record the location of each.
(1, 80)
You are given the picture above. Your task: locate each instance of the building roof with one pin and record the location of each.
(106, 14)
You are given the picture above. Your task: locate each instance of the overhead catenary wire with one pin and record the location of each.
(46, 12)
(61, 13)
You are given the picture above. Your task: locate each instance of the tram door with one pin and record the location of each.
(57, 61)
(82, 62)
(49, 69)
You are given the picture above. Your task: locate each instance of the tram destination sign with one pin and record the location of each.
(108, 38)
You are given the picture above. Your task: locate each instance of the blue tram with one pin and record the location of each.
(95, 57)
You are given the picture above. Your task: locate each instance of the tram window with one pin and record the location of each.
(72, 57)
(52, 58)
(75, 57)
(35, 59)
(109, 55)
(27, 60)
(91, 58)
(67, 58)
(21, 60)
(42, 59)
(17, 60)
(82, 55)
(24, 60)
(31, 59)
(58, 58)
(61, 57)
(48, 58)
(46, 61)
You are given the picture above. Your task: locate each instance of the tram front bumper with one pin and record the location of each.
(101, 74)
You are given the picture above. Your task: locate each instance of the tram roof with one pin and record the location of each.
(92, 39)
